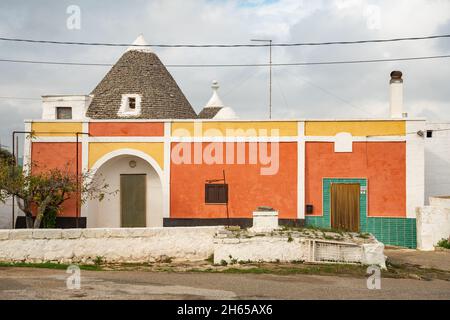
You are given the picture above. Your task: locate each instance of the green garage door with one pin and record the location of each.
(132, 200)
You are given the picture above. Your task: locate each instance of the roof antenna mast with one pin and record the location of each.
(270, 72)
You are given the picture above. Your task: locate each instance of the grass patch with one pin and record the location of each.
(50, 265)
(290, 269)
(210, 259)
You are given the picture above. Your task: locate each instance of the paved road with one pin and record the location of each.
(426, 259)
(28, 283)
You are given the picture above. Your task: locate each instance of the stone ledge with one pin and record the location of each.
(113, 245)
(4, 234)
(47, 234)
(20, 234)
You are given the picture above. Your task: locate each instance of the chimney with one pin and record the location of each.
(396, 99)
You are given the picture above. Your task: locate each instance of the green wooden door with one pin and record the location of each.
(132, 200)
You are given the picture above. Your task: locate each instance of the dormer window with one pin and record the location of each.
(130, 105)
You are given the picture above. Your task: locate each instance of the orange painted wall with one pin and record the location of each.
(130, 129)
(59, 155)
(247, 188)
(382, 163)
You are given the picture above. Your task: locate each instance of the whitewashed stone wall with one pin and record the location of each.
(112, 245)
(269, 248)
(433, 224)
(261, 248)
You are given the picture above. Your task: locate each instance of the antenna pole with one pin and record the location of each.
(270, 72)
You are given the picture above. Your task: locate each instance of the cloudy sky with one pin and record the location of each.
(359, 90)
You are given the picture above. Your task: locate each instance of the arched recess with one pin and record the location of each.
(109, 168)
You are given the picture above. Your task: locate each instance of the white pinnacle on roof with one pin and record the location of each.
(139, 43)
(215, 101)
(226, 113)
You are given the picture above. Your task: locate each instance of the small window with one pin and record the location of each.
(429, 133)
(216, 193)
(63, 113)
(132, 103)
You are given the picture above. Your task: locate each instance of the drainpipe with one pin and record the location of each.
(78, 195)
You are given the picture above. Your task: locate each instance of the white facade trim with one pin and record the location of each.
(27, 148)
(234, 139)
(357, 138)
(126, 139)
(167, 163)
(83, 138)
(343, 142)
(415, 168)
(301, 170)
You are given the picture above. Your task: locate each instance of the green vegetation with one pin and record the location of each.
(364, 235)
(444, 243)
(49, 265)
(98, 260)
(210, 259)
(40, 195)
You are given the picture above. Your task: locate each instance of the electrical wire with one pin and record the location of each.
(235, 65)
(226, 45)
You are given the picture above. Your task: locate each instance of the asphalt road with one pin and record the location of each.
(30, 283)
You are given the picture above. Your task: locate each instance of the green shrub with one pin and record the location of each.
(444, 243)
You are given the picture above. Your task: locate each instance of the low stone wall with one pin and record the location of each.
(433, 224)
(289, 248)
(268, 249)
(111, 245)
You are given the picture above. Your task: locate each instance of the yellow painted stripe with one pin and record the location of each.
(356, 128)
(153, 149)
(235, 129)
(61, 129)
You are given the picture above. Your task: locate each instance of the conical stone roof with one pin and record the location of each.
(140, 72)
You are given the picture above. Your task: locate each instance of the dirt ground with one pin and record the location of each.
(410, 275)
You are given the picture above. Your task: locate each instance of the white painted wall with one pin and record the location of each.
(433, 224)
(78, 103)
(396, 98)
(6, 214)
(113, 245)
(437, 160)
(415, 167)
(106, 213)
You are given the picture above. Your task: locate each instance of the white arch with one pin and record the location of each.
(123, 153)
(128, 152)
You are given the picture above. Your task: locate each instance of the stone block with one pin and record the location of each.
(21, 234)
(4, 234)
(46, 234)
(264, 221)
